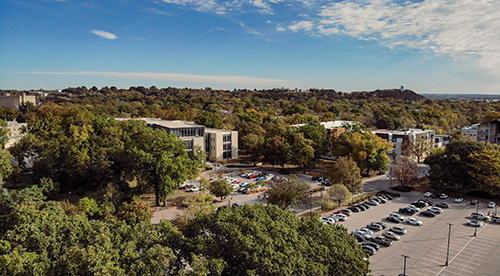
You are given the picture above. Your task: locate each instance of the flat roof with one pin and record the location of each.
(165, 123)
(216, 130)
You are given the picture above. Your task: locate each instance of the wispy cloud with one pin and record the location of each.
(249, 30)
(157, 11)
(236, 80)
(104, 34)
(459, 28)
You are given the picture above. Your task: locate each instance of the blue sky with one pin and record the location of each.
(430, 46)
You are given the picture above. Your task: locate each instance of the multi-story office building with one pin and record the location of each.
(399, 137)
(16, 101)
(489, 132)
(471, 131)
(219, 144)
(15, 132)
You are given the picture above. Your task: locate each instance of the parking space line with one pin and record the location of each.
(480, 230)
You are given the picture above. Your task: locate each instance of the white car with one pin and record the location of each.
(414, 208)
(365, 231)
(443, 196)
(492, 204)
(339, 217)
(414, 221)
(327, 220)
(474, 223)
(428, 194)
(459, 199)
(435, 210)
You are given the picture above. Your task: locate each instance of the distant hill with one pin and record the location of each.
(462, 96)
(397, 94)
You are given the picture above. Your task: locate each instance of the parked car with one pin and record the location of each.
(380, 240)
(414, 208)
(414, 221)
(360, 236)
(372, 202)
(372, 244)
(354, 209)
(495, 219)
(381, 224)
(347, 212)
(427, 201)
(443, 205)
(407, 211)
(390, 235)
(435, 210)
(326, 220)
(427, 213)
(368, 249)
(339, 217)
(364, 230)
(428, 194)
(480, 216)
(459, 199)
(474, 202)
(398, 230)
(474, 223)
(374, 226)
(492, 204)
(443, 196)
(395, 219)
(419, 204)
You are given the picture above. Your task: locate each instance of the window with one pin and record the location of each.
(226, 138)
(226, 155)
(226, 147)
(189, 144)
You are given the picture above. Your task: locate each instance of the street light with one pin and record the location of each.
(404, 269)
(310, 202)
(477, 211)
(448, 251)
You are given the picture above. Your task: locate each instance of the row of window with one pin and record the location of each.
(189, 132)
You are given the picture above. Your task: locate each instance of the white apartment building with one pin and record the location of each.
(398, 137)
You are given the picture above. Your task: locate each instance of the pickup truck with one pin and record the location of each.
(495, 219)
(480, 216)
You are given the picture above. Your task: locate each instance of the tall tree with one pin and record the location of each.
(220, 188)
(4, 134)
(159, 160)
(265, 240)
(254, 146)
(339, 193)
(486, 166)
(286, 192)
(278, 151)
(404, 170)
(420, 147)
(345, 171)
(302, 153)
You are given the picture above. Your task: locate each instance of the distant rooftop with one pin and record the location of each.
(164, 123)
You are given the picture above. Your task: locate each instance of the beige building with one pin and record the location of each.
(15, 132)
(221, 144)
(489, 132)
(16, 101)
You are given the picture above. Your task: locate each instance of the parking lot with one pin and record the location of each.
(426, 245)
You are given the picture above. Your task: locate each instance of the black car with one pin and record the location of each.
(380, 240)
(429, 203)
(427, 214)
(354, 209)
(365, 205)
(361, 207)
(407, 211)
(393, 219)
(315, 178)
(419, 204)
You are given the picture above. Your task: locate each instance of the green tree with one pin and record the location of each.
(220, 188)
(345, 171)
(209, 119)
(4, 134)
(285, 192)
(420, 147)
(159, 160)
(278, 151)
(339, 193)
(254, 146)
(451, 167)
(302, 153)
(319, 137)
(486, 167)
(265, 240)
(5, 165)
(368, 150)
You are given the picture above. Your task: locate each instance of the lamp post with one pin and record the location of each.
(477, 211)
(404, 268)
(390, 178)
(448, 250)
(496, 209)
(352, 192)
(310, 203)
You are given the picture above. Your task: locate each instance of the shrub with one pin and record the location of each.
(254, 191)
(327, 205)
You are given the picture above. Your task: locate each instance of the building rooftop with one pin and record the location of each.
(215, 130)
(165, 123)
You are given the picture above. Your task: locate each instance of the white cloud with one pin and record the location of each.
(301, 25)
(249, 29)
(104, 34)
(236, 80)
(459, 28)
